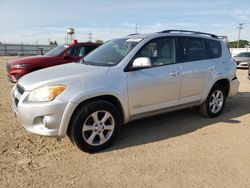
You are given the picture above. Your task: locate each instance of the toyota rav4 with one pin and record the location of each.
(126, 79)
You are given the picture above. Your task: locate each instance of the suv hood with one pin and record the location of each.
(61, 74)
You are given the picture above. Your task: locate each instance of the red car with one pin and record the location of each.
(59, 55)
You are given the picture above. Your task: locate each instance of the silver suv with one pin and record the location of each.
(126, 79)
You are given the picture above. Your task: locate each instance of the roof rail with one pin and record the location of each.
(187, 31)
(223, 37)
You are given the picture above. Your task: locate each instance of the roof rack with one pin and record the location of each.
(223, 37)
(187, 31)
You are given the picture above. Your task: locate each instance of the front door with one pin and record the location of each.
(157, 87)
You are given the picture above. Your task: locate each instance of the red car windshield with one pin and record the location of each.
(56, 51)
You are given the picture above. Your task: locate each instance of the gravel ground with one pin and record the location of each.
(178, 149)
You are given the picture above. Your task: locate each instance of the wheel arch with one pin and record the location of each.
(109, 98)
(222, 81)
(225, 83)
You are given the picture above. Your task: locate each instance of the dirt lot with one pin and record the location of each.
(179, 149)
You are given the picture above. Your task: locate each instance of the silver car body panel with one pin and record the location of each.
(141, 93)
(147, 89)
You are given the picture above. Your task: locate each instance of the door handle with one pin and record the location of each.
(213, 68)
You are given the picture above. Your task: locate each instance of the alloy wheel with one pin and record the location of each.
(98, 128)
(216, 101)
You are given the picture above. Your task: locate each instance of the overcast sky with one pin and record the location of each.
(29, 21)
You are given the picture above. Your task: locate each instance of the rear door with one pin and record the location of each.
(198, 69)
(157, 87)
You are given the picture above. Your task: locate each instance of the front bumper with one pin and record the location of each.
(41, 118)
(234, 87)
(13, 74)
(12, 78)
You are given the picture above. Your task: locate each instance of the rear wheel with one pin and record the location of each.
(215, 102)
(95, 126)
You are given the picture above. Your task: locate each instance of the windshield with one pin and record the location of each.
(110, 53)
(56, 51)
(243, 55)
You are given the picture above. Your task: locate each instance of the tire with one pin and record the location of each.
(213, 107)
(94, 126)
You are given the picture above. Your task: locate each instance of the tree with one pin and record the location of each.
(242, 44)
(51, 43)
(99, 41)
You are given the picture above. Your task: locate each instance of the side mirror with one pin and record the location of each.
(141, 62)
(65, 55)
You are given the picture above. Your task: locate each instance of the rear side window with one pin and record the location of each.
(213, 48)
(193, 49)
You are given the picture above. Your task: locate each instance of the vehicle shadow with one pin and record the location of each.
(178, 123)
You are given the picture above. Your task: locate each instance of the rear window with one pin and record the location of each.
(193, 49)
(213, 48)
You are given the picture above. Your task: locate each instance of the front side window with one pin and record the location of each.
(77, 51)
(160, 51)
(193, 49)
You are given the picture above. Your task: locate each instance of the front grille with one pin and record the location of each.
(20, 89)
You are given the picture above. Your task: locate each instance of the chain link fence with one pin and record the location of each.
(24, 49)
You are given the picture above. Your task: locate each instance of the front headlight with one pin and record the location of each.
(45, 94)
(20, 66)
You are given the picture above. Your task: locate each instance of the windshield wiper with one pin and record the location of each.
(95, 64)
(90, 63)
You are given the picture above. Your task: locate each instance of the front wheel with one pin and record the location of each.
(95, 126)
(215, 102)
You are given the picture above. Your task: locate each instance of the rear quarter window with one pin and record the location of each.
(213, 48)
(193, 49)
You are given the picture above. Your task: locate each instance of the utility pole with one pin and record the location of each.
(90, 36)
(240, 27)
